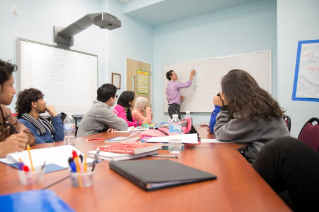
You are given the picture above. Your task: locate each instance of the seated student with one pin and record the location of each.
(140, 107)
(218, 102)
(290, 165)
(29, 106)
(9, 141)
(249, 116)
(100, 118)
(122, 109)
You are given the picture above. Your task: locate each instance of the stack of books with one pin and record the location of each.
(126, 150)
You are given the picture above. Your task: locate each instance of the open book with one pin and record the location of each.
(56, 158)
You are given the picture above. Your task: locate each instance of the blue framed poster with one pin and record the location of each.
(306, 82)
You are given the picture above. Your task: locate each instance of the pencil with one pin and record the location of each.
(85, 165)
(28, 148)
(165, 156)
(78, 170)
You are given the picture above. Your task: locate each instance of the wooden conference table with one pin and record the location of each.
(237, 188)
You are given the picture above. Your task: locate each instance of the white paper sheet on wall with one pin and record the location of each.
(306, 83)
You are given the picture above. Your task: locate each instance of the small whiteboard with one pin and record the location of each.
(67, 78)
(306, 83)
(209, 72)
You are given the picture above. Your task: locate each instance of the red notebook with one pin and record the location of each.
(131, 147)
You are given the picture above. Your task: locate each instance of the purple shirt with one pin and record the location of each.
(172, 91)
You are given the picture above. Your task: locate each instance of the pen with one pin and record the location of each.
(43, 165)
(12, 127)
(28, 178)
(161, 131)
(165, 156)
(94, 139)
(74, 154)
(21, 166)
(73, 167)
(95, 158)
(28, 148)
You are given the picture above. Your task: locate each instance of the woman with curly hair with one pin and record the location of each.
(249, 116)
(123, 109)
(30, 105)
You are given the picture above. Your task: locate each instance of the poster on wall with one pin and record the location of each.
(306, 83)
(142, 82)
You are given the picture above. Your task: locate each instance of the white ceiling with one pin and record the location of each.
(124, 1)
(166, 11)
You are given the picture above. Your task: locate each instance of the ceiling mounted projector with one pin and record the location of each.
(65, 36)
(106, 21)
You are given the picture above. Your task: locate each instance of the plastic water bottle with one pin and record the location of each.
(188, 115)
(69, 130)
(175, 128)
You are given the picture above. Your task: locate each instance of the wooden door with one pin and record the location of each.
(137, 72)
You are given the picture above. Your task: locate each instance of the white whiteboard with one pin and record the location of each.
(68, 79)
(209, 72)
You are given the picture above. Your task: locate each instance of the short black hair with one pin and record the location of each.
(169, 74)
(6, 69)
(105, 92)
(25, 99)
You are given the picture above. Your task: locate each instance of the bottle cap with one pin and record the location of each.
(175, 115)
(188, 112)
(69, 114)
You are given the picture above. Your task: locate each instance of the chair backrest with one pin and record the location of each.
(288, 121)
(64, 115)
(309, 133)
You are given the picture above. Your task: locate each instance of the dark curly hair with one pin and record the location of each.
(124, 100)
(244, 96)
(6, 69)
(25, 98)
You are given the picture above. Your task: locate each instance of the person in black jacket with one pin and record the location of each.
(288, 164)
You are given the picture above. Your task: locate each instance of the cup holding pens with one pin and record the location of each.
(81, 179)
(31, 177)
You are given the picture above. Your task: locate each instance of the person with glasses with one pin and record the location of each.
(100, 117)
(14, 136)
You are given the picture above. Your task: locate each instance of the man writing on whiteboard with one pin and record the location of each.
(172, 92)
